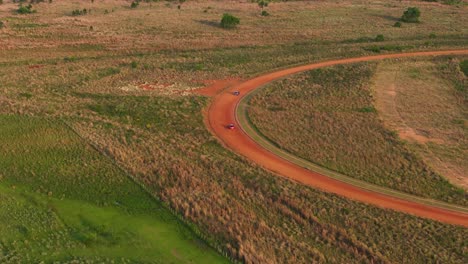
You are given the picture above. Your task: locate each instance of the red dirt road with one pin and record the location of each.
(223, 111)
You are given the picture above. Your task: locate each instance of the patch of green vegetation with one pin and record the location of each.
(464, 67)
(389, 47)
(140, 111)
(79, 12)
(25, 9)
(109, 71)
(367, 109)
(28, 25)
(229, 21)
(411, 15)
(60, 200)
(26, 95)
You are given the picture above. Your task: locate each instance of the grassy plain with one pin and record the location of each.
(123, 85)
(327, 116)
(62, 201)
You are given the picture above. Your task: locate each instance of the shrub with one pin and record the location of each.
(78, 12)
(379, 38)
(432, 35)
(134, 4)
(397, 24)
(2, 25)
(229, 21)
(263, 3)
(464, 67)
(411, 15)
(25, 9)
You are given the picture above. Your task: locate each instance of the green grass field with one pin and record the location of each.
(60, 200)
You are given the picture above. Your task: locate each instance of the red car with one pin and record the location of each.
(230, 126)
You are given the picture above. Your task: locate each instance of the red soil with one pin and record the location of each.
(215, 86)
(222, 112)
(38, 66)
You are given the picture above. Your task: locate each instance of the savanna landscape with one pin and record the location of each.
(233, 131)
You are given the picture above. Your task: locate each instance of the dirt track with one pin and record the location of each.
(223, 111)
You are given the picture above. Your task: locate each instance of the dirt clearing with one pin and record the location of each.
(424, 109)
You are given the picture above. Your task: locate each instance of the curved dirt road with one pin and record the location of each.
(222, 111)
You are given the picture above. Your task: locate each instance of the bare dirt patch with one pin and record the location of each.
(215, 86)
(423, 109)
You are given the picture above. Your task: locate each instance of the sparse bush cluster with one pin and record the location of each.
(78, 12)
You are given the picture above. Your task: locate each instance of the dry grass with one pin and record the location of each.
(250, 214)
(162, 26)
(327, 116)
(52, 64)
(421, 102)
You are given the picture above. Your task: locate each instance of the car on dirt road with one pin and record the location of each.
(230, 126)
(236, 93)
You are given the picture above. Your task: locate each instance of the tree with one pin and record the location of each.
(411, 15)
(262, 4)
(134, 4)
(229, 21)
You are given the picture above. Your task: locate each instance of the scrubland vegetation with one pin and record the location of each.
(327, 116)
(438, 135)
(124, 88)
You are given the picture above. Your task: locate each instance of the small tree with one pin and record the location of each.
(229, 21)
(411, 15)
(262, 4)
(134, 4)
(25, 9)
(379, 38)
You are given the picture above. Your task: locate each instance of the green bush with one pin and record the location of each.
(379, 38)
(2, 25)
(397, 24)
(265, 13)
(229, 21)
(411, 15)
(464, 67)
(25, 9)
(134, 4)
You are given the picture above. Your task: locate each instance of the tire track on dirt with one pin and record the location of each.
(223, 111)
